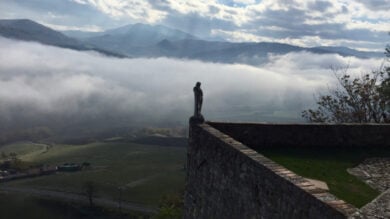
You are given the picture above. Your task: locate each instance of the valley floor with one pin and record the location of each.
(136, 176)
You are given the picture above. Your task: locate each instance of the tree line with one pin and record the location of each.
(364, 99)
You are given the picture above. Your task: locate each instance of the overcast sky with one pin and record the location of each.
(360, 24)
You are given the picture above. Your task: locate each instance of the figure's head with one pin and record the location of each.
(198, 84)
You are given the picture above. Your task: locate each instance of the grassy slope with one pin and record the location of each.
(146, 172)
(24, 149)
(330, 166)
(34, 208)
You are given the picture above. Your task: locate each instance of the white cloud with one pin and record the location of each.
(81, 2)
(328, 22)
(246, 2)
(52, 81)
(137, 10)
(239, 36)
(89, 28)
(379, 26)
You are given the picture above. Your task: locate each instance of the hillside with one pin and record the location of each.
(153, 41)
(142, 40)
(31, 31)
(28, 30)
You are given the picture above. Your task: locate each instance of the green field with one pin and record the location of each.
(24, 150)
(144, 172)
(22, 206)
(330, 165)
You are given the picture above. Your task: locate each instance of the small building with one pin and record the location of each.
(69, 167)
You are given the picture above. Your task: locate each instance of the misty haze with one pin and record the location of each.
(97, 104)
(41, 84)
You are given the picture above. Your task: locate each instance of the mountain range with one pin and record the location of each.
(28, 30)
(143, 40)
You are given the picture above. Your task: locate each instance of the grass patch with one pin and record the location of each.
(145, 172)
(20, 206)
(24, 150)
(330, 165)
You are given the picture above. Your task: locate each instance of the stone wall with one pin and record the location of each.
(307, 135)
(226, 179)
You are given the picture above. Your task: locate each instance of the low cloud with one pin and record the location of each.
(41, 84)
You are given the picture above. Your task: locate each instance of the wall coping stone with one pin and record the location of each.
(295, 179)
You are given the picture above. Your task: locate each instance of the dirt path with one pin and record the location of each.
(141, 181)
(72, 197)
(44, 149)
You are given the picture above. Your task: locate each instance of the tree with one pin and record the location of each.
(13, 155)
(16, 163)
(171, 206)
(385, 89)
(364, 99)
(90, 191)
(3, 155)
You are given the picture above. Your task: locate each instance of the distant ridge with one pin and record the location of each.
(143, 40)
(130, 38)
(350, 52)
(28, 30)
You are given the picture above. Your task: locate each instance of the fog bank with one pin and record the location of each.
(43, 84)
